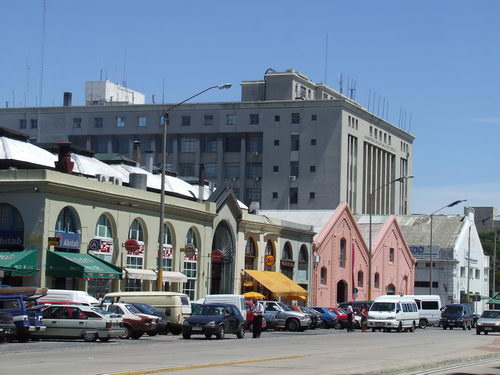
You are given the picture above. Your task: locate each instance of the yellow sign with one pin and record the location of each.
(53, 241)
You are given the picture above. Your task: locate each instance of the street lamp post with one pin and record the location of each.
(159, 279)
(370, 211)
(430, 240)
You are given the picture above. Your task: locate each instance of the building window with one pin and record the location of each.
(120, 122)
(275, 194)
(231, 170)
(190, 266)
(186, 120)
(294, 168)
(343, 253)
(142, 121)
(371, 131)
(34, 123)
(295, 142)
(295, 118)
(294, 195)
(98, 122)
(312, 168)
(389, 140)
(208, 120)
(254, 119)
(231, 119)
(136, 232)
(376, 282)
(312, 195)
(276, 168)
(253, 195)
(269, 251)
(313, 142)
(276, 118)
(478, 274)
(250, 255)
(232, 144)
(323, 277)
(360, 279)
(186, 169)
(462, 271)
(391, 255)
(254, 143)
(188, 144)
(314, 117)
(67, 221)
(22, 124)
(211, 170)
(209, 144)
(254, 170)
(77, 122)
(276, 142)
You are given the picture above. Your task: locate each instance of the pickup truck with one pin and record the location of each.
(7, 326)
(279, 316)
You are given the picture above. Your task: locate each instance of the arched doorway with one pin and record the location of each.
(341, 291)
(390, 290)
(287, 262)
(222, 267)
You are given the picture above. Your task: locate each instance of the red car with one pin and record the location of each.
(341, 315)
(249, 321)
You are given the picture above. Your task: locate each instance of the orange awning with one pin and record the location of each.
(277, 283)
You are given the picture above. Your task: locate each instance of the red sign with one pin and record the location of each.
(269, 260)
(131, 245)
(217, 256)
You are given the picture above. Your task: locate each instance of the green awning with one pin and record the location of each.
(19, 263)
(62, 264)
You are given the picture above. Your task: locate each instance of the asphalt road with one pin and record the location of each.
(310, 352)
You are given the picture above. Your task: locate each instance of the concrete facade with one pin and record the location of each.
(289, 144)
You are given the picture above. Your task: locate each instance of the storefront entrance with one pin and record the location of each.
(222, 265)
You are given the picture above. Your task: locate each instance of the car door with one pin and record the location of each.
(233, 318)
(72, 323)
(51, 317)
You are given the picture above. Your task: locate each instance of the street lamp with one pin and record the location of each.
(370, 211)
(430, 242)
(159, 279)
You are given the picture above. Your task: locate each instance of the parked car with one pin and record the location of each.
(356, 305)
(249, 319)
(457, 315)
(79, 321)
(135, 323)
(7, 326)
(393, 312)
(429, 309)
(341, 316)
(330, 319)
(162, 327)
(214, 319)
(65, 297)
(489, 321)
(278, 316)
(21, 303)
(233, 299)
(316, 319)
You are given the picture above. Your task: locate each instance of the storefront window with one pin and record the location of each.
(191, 266)
(135, 260)
(103, 227)
(66, 221)
(269, 251)
(250, 255)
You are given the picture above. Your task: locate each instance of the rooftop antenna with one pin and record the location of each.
(378, 105)
(100, 78)
(341, 82)
(387, 112)
(369, 98)
(124, 82)
(326, 56)
(383, 108)
(27, 94)
(13, 98)
(409, 126)
(163, 92)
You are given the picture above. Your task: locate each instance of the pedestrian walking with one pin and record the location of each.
(364, 318)
(258, 314)
(349, 318)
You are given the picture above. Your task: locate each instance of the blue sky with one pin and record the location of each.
(438, 60)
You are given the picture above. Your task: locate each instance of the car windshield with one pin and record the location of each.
(383, 306)
(491, 315)
(454, 309)
(209, 310)
(284, 307)
(132, 309)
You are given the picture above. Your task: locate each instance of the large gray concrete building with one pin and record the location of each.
(289, 143)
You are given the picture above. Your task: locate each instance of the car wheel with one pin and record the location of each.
(292, 325)
(127, 333)
(104, 339)
(207, 335)
(241, 332)
(422, 323)
(373, 329)
(176, 331)
(389, 330)
(338, 325)
(90, 336)
(136, 335)
(186, 336)
(152, 333)
(478, 332)
(220, 332)
(451, 327)
(485, 332)
(444, 327)
(23, 337)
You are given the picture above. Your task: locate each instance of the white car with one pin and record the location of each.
(79, 321)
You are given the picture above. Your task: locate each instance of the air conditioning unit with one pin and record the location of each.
(256, 179)
(101, 177)
(293, 178)
(234, 179)
(256, 153)
(116, 180)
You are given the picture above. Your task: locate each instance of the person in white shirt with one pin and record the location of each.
(258, 315)
(349, 318)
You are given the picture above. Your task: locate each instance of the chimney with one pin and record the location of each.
(67, 99)
(201, 183)
(136, 152)
(64, 163)
(138, 181)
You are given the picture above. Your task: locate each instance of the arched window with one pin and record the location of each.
(343, 253)
(167, 251)
(250, 254)
(136, 232)
(303, 264)
(191, 265)
(135, 259)
(360, 279)
(103, 227)
(269, 251)
(391, 289)
(11, 222)
(323, 277)
(376, 283)
(287, 263)
(66, 221)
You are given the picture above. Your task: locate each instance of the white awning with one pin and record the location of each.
(174, 277)
(140, 274)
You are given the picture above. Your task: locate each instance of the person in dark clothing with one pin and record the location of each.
(258, 312)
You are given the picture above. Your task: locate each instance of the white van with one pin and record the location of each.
(232, 299)
(177, 306)
(393, 312)
(68, 296)
(429, 309)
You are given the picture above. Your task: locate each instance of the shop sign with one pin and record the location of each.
(189, 250)
(99, 245)
(301, 276)
(217, 256)
(133, 247)
(68, 240)
(269, 260)
(287, 263)
(53, 241)
(11, 238)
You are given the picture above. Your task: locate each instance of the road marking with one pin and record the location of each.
(207, 365)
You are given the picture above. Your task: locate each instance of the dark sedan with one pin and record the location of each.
(214, 319)
(162, 327)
